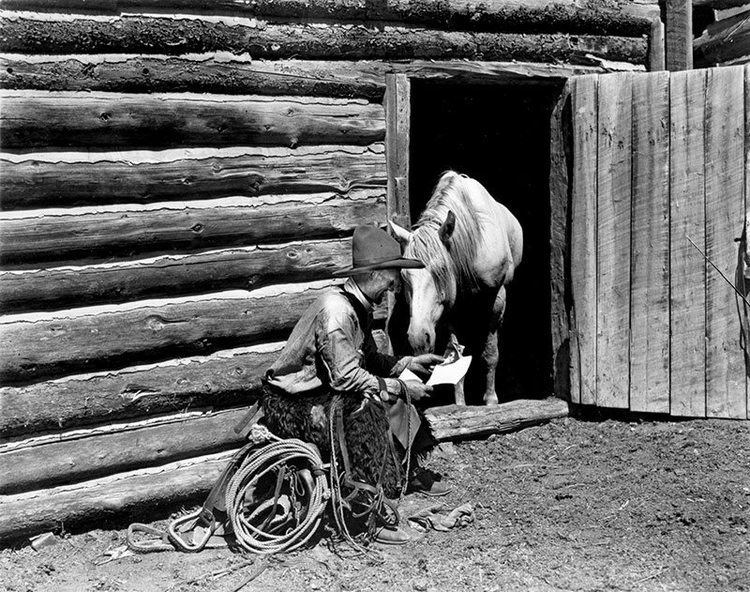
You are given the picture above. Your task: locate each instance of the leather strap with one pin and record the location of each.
(384, 395)
(253, 415)
(342, 440)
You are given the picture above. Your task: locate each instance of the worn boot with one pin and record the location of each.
(391, 535)
(427, 483)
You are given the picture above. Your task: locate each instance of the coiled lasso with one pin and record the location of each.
(277, 456)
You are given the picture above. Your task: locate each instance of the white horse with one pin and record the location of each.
(470, 245)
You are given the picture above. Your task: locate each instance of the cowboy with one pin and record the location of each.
(331, 352)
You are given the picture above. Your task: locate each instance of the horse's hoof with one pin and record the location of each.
(491, 401)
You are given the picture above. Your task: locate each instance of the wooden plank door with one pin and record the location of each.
(653, 161)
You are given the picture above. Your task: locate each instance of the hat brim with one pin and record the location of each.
(400, 263)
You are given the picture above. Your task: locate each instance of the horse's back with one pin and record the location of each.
(501, 246)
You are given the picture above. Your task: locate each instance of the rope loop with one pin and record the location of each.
(288, 470)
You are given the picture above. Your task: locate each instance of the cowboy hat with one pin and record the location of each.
(373, 248)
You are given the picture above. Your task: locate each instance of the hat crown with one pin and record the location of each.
(373, 246)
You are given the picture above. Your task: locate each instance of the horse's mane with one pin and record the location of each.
(452, 266)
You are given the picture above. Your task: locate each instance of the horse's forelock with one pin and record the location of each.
(455, 266)
(428, 248)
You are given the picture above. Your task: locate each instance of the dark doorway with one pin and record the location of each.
(500, 135)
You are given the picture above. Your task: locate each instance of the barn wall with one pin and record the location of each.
(177, 187)
(655, 162)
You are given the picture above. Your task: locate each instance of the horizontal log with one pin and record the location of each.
(720, 4)
(48, 120)
(245, 268)
(39, 33)
(95, 178)
(725, 41)
(130, 494)
(166, 486)
(571, 16)
(86, 454)
(242, 74)
(455, 422)
(52, 344)
(126, 230)
(225, 378)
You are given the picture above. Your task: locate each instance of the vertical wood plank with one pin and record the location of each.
(398, 120)
(725, 210)
(559, 264)
(746, 309)
(679, 34)
(583, 241)
(613, 239)
(649, 320)
(687, 266)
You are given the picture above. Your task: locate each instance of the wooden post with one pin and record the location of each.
(679, 35)
(656, 50)
(398, 119)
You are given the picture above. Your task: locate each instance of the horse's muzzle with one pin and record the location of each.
(422, 341)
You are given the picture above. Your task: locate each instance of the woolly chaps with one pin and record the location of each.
(367, 431)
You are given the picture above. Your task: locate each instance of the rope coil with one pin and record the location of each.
(290, 519)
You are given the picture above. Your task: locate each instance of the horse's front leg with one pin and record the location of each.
(491, 350)
(458, 392)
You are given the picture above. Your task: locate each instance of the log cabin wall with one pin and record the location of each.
(179, 181)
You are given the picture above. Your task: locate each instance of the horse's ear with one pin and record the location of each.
(399, 232)
(446, 230)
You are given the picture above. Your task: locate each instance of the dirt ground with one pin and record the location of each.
(571, 505)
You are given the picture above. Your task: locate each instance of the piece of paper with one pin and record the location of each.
(408, 375)
(450, 373)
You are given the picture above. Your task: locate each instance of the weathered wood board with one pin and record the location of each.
(745, 309)
(54, 120)
(612, 251)
(228, 73)
(583, 241)
(649, 307)
(66, 179)
(79, 235)
(455, 422)
(111, 336)
(116, 448)
(687, 266)
(679, 34)
(398, 119)
(246, 268)
(126, 494)
(725, 210)
(141, 34)
(221, 379)
(570, 16)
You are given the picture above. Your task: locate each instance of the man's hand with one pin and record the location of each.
(424, 364)
(417, 390)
